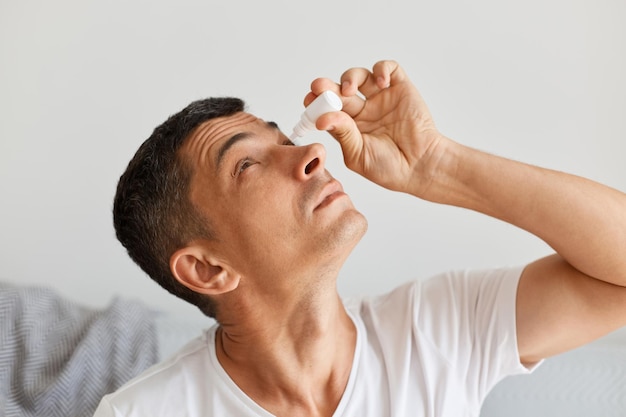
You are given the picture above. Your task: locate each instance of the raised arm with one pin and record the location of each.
(388, 135)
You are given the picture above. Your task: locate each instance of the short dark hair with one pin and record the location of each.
(152, 211)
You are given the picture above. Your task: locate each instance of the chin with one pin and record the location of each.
(329, 250)
(349, 232)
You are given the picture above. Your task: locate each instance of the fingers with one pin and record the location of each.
(383, 75)
(343, 128)
(340, 124)
(388, 73)
(361, 80)
(352, 103)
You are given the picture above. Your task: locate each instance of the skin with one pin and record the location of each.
(274, 265)
(284, 227)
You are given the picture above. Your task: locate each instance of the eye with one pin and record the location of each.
(242, 165)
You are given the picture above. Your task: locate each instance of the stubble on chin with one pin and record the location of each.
(348, 232)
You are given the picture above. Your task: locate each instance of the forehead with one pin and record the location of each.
(211, 139)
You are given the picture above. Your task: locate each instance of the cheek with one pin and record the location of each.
(273, 215)
(264, 237)
(270, 211)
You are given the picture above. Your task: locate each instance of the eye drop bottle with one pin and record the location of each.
(324, 103)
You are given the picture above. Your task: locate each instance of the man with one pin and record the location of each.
(254, 231)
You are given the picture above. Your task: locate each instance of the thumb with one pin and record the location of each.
(343, 128)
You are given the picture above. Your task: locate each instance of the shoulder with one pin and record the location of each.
(470, 284)
(449, 303)
(168, 382)
(431, 292)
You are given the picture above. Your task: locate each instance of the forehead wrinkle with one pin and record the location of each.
(209, 133)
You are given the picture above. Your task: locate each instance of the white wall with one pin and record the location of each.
(82, 84)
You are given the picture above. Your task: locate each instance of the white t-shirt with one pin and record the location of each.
(433, 348)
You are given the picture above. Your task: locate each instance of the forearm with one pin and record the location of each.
(585, 222)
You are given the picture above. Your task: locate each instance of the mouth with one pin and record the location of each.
(330, 192)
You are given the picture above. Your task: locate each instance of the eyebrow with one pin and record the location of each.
(233, 140)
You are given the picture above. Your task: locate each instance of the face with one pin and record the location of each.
(274, 208)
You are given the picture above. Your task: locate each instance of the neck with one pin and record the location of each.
(291, 356)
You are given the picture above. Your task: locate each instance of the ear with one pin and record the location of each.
(193, 267)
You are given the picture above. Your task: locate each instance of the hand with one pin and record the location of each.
(387, 133)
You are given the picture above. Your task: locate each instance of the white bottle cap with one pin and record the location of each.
(324, 103)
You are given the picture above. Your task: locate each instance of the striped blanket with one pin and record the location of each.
(58, 358)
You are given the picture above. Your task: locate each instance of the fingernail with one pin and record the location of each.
(344, 87)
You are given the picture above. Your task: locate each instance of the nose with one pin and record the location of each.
(313, 159)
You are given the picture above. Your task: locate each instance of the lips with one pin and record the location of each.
(330, 192)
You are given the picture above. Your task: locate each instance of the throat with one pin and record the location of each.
(295, 370)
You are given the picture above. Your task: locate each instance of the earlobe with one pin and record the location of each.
(193, 268)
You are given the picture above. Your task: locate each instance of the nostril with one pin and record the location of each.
(311, 166)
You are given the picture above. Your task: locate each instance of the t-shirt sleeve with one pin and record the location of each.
(469, 317)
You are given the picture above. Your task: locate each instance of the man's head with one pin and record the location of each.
(152, 213)
(217, 199)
